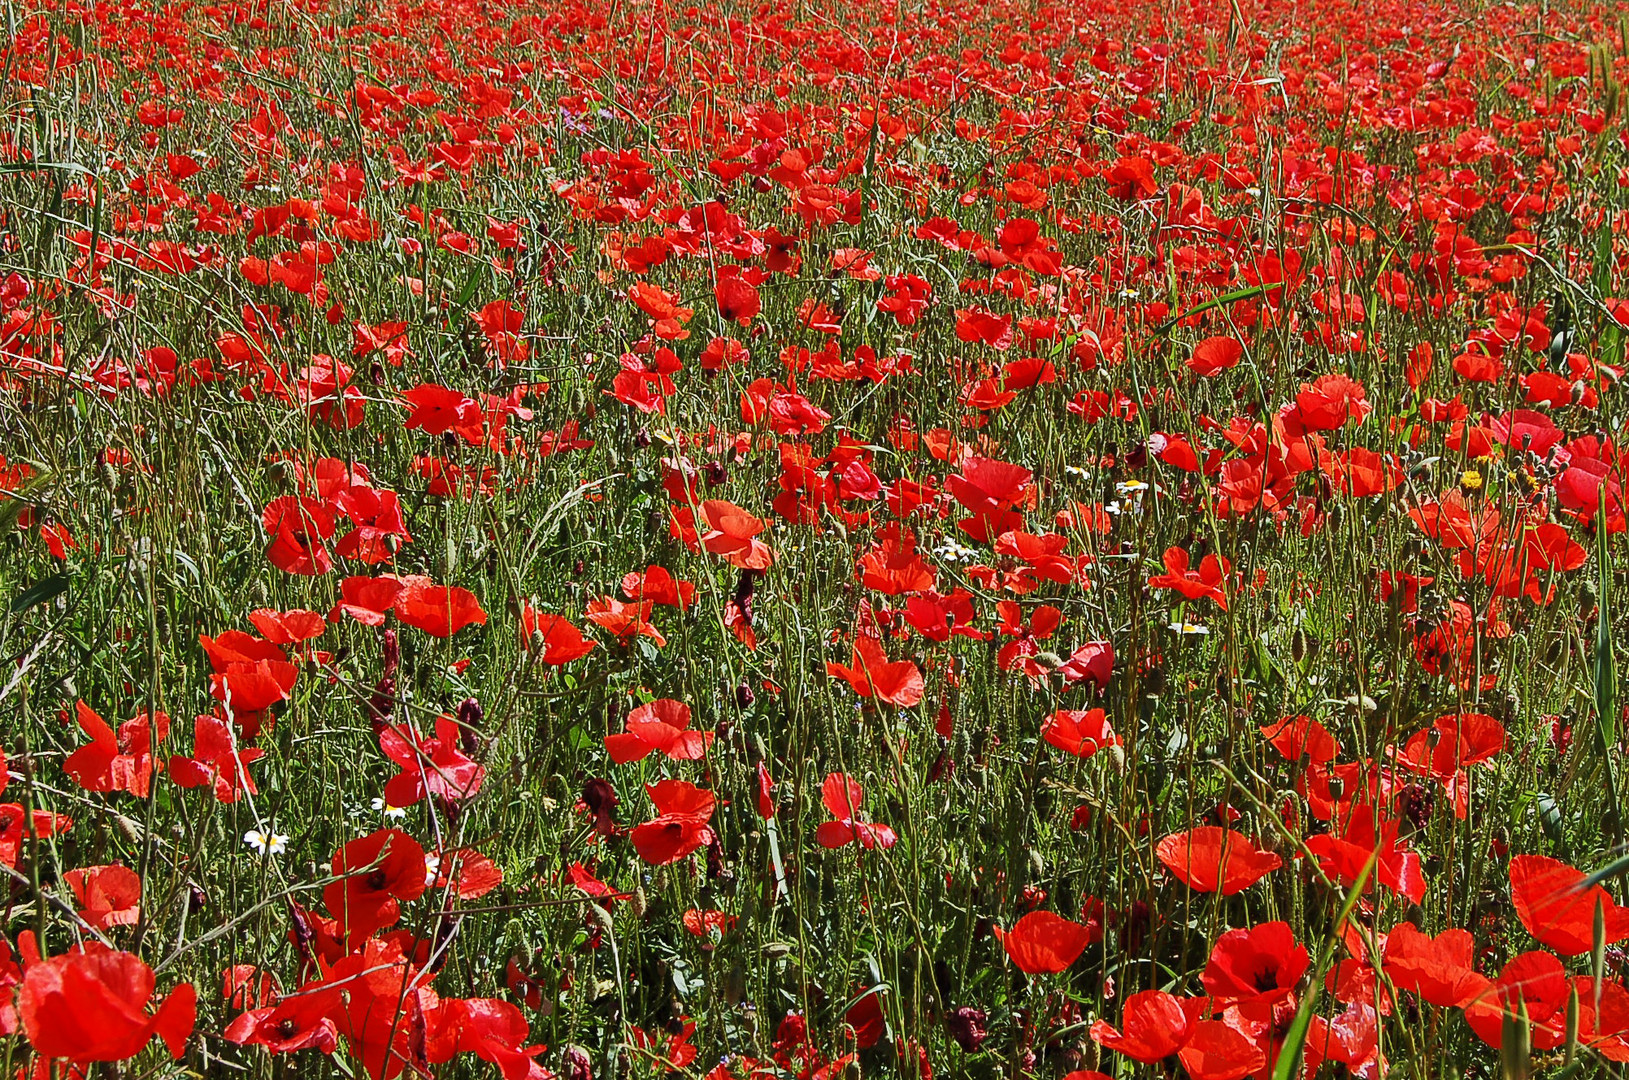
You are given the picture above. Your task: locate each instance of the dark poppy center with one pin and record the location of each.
(377, 880)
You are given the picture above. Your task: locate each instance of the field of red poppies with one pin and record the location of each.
(924, 538)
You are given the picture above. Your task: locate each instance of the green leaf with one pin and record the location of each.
(40, 592)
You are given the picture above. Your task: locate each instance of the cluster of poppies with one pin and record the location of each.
(978, 538)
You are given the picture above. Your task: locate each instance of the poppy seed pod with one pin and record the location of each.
(598, 917)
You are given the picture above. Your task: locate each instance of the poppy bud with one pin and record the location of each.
(301, 932)
(641, 438)
(469, 725)
(714, 473)
(600, 799)
(715, 859)
(393, 653)
(966, 1026)
(577, 1064)
(743, 695)
(382, 705)
(281, 473)
(638, 903)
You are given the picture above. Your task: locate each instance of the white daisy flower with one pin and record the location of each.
(263, 842)
(394, 813)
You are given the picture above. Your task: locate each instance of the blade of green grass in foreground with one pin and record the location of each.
(1606, 675)
(1289, 1056)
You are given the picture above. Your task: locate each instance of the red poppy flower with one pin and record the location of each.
(1342, 855)
(1256, 967)
(493, 1030)
(91, 1005)
(437, 410)
(1093, 662)
(1442, 970)
(1210, 580)
(287, 627)
(842, 796)
(1534, 982)
(892, 565)
(680, 826)
(300, 1022)
(1079, 732)
(973, 324)
(379, 528)
(1295, 736)
(872, 674)
(582, 878)
(1041, 943)
(990, 489)
(1330, 401)
(1217, 1050)
(738, 299)
(438, 610)
(297, 527)
(1555, 909)
(625, 621)
(377, 872)
(1351, 1038)
(1213, 859)
(430, 766)
(864, 1018)
(1131, 178)
(106, 895)
(367, 599)
(14, 830)
(469, 874)
(116, 763)
(561, 642)
(245, 986)
(1153, 1026)
(704, 924)
(732, 533)
(250, 674)
(662, 725)
(1043, 623)
(660, 587)
(1215, 355)
(214, 762)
